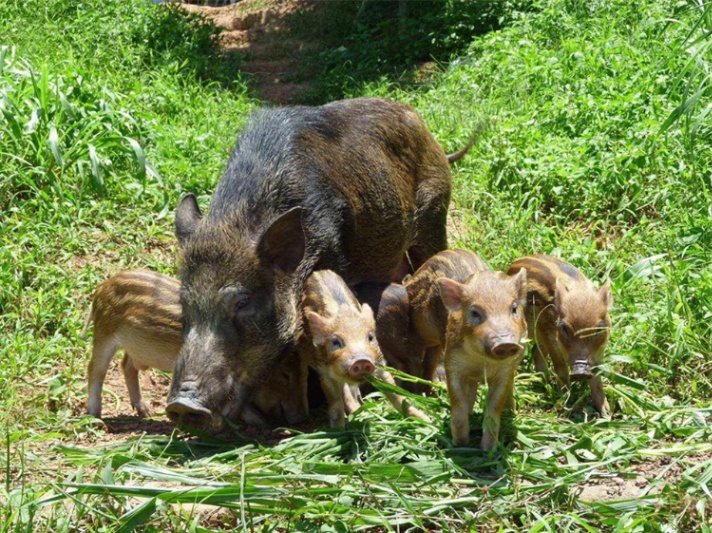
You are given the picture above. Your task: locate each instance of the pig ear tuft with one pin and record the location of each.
(282, 245)
(187, 218)
(560, 293)
(318, 327)
(520, 281)
(367, 312)
(606, 294)
(450, 293)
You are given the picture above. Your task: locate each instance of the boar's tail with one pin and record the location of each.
(88, 320)
(456, 156)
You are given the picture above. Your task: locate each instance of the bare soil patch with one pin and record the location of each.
(643, 479)
(259, 33)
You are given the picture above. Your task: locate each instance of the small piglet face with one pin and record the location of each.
(584, 326)
(487, 313)
(346, 343)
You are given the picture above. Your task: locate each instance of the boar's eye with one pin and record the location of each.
(474, 317)
(241, 301)
(371, 337)
(336, 343)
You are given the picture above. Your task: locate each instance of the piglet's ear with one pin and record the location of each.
(281, 247)
(606, 294)
(187, 218)
(367, 312)
(560, 294)
(520, 282)
(318, 327)
(450, 293)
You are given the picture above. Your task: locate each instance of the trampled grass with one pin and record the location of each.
(598, 150)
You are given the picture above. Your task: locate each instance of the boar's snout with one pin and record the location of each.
(295, 413)
(185, 409)
(580, 371)
(503, 349)
(361, 368)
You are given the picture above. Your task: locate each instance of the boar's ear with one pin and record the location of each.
(520, 282)
(606, 294)
(450, 293)
(282, 245)
(318, 327)
(559, 294)
(187, 217)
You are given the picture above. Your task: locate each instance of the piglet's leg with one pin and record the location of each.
(498, 396)
(352, 398)
(334, 393)
(397, 401)
(600, 402)
(462, 395)
(132, 384)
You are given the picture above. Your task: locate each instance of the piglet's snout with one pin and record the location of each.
(504, 346)
(581, 370)
(361, 369)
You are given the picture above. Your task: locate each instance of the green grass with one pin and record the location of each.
(598, 151)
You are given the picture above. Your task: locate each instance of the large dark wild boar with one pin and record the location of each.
(140, 311)
(351, 186)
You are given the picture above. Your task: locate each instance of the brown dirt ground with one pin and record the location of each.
(258, 32)
(645, 478)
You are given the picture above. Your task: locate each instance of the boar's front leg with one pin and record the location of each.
(397, 401)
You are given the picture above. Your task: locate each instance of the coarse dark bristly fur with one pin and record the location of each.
(351, 186)
(140, 311)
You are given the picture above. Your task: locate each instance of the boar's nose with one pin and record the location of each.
(580, 371)
(185, 409)
(294, 414)
(506, 349)
(361, 368)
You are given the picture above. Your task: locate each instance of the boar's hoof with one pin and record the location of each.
(361, 368)
(580, 372)
(507, 349)
(187, 412)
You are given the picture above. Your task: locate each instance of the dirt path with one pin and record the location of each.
(260, 33)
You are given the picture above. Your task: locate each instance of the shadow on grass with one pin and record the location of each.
(336, 53)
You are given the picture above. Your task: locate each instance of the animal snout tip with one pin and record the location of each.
(187, 412)
(361, 368)
(581, 372)
(504, 350)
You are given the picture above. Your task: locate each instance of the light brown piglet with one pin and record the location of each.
(339, 342)
(568, 321)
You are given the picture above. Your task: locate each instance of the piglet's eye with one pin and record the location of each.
(515, 309)
(336, 343)
(564, 330)
(371, 337)
(475, 317)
